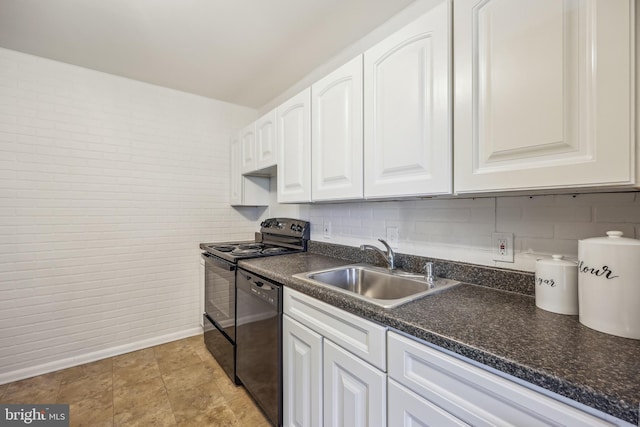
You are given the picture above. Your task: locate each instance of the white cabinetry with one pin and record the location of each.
(248, 150)
(294, 149)
(334, 374)
(266, 151)
(336, 153)
(302, 375)
(324, 343)
(407, 113)
(355, 393)
(245, 190)
(407, 409)
(471, 394)
(543, 94)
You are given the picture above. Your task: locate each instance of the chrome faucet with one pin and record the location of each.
(389, 255)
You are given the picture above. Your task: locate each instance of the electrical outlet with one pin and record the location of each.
(392, 237)
(502, 246)
(326, 229)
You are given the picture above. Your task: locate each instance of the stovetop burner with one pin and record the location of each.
(275, 250)
(239, 250)
(247, 249)
(249, 246)
(279, 236)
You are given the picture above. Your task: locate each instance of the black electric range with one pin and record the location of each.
(233, 315)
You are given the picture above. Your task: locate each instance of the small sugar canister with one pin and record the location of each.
(557, 285)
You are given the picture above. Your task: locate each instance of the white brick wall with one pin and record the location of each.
(107, 186)
(460, 229)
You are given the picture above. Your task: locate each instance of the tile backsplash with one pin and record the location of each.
(461, 229)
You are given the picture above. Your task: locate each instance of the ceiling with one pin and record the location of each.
(241, 51)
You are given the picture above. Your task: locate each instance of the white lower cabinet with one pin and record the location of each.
(302, 375)
(324, 381)
(334, 375)
(355, 393)
(472, 394)
(407, 409)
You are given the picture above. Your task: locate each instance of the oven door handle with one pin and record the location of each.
(219, 262)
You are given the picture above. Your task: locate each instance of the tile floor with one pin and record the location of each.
(174, 384)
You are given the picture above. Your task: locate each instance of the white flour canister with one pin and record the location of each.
(609, 284)
(557, 285)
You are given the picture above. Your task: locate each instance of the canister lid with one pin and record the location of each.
(557, 260)
(613, 238)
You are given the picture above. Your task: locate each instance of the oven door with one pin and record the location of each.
(220, 294)
(221, 348)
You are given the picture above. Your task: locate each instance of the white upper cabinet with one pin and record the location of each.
(266, 152)
(294, 149)
(407, 112)
(244, 190)
(248, 150)
(336, 138)
(235, 176)
(543, 94)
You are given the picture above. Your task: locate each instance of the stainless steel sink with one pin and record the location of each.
(376, 285)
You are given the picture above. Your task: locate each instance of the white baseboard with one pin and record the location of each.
(45, 368)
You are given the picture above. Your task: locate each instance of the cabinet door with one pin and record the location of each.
(294, 149)
(266, 153)
(235, 175)
(543, 94)
(248, 143)
(336, 140)
(245, 190)
(407, 113)
(302, 375)
(407, 409)
(355, 393)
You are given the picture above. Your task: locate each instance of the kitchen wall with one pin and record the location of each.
(460, 229)
(107, 186)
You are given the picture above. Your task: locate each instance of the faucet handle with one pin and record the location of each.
(428, 273)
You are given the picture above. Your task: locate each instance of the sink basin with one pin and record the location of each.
(375, 285)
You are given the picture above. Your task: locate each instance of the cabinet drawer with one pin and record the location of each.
(472, 394)
(361, 337)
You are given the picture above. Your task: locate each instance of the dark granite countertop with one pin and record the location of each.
(500, 329)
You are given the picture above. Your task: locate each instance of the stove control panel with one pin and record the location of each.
(286, 226)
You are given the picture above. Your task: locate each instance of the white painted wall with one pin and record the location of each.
(107, 186)
(460, 229)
